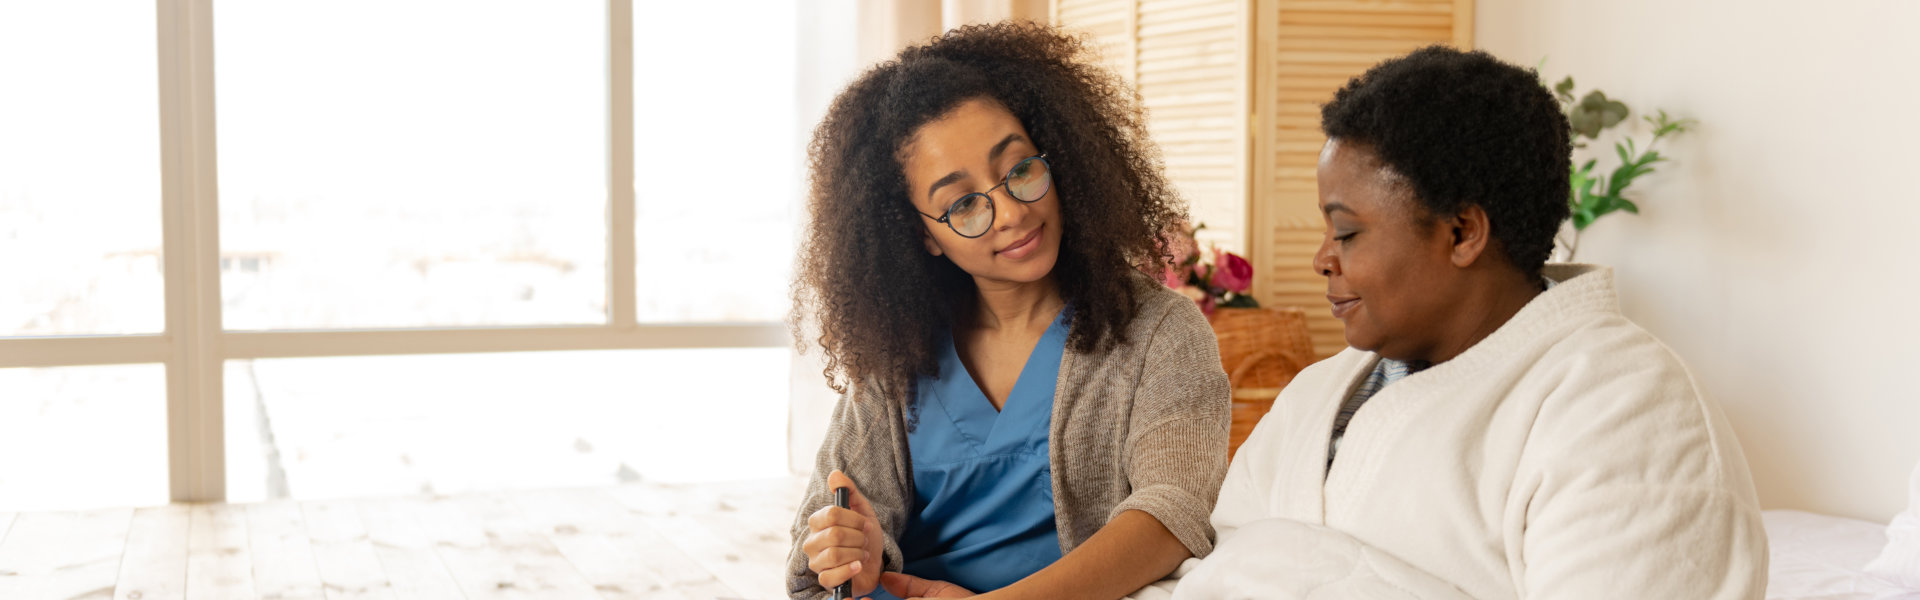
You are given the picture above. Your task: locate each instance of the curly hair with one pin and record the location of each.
(881, 301)
(1465, 128)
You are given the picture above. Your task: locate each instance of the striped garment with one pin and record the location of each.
(1384, 372)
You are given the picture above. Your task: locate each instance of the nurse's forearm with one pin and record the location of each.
(1131, 551)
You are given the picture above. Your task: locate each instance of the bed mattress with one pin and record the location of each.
(1820, 557)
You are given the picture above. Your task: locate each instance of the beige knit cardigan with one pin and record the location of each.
(1140, 426)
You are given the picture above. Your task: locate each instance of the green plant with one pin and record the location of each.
(1594, 195)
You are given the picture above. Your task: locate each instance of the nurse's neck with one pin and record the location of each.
(1011, 307)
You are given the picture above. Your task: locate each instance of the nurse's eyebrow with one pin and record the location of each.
(953, 177)
(1333, 206)
(992, 155)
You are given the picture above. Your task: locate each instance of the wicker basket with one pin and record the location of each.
(1261, 350)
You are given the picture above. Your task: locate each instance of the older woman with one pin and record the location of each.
(1498, 429)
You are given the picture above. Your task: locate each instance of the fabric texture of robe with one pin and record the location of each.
(1567, 455)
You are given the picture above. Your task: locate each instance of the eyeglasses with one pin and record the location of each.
(972, 215)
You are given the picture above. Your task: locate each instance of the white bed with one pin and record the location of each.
(1810, 557)
(1819, 557)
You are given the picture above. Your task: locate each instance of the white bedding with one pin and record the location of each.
(1811, 557)
(1818, 557)
(1281, 559)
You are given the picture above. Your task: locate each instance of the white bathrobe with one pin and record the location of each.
(1567, 455)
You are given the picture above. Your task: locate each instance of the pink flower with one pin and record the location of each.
(1231, 272)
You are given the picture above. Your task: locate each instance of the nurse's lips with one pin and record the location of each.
(1025, 246)
(1342, 304)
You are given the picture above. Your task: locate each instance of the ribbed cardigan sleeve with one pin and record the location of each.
(865, 440)
(1176, 449)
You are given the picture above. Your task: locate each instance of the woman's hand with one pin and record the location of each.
(907, 586)
(846, 544)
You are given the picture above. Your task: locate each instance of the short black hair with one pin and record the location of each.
(1465, 128)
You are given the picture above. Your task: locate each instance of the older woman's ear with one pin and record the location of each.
(1472, 234)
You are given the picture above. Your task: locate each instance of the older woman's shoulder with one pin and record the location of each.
(1608, 383)
(1595, 330)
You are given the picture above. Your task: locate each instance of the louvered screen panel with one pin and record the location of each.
(1188, 61)
(1304, 51)
(1287, 283)
(1193, 82)
(1109, 22)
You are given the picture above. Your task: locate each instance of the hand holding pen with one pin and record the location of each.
(845, 544)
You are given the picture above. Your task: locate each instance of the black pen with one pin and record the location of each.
(844, 590)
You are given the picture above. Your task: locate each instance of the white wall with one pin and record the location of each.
(1777, 254)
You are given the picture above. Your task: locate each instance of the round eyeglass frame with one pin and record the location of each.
(947, 217)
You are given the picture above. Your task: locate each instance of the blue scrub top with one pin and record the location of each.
(983, 485)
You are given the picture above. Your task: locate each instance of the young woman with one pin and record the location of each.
(1023, 413)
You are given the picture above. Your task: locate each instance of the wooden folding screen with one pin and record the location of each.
(1205, 67)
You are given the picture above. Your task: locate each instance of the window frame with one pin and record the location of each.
(195, 347)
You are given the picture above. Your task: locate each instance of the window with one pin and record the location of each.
(437, 246)
(83, 437)
(385, 425)
(717, 157)
(79, 171)
(443, 164)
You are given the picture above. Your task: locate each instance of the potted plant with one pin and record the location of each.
(1594, 195)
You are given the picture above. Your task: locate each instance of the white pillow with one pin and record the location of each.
(1899, 562)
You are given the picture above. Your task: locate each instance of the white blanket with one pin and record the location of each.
(1283, 559)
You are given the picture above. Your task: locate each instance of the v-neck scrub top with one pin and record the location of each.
(983, 493)
(1138, 423)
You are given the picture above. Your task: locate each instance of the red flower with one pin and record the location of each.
(1231, 272)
